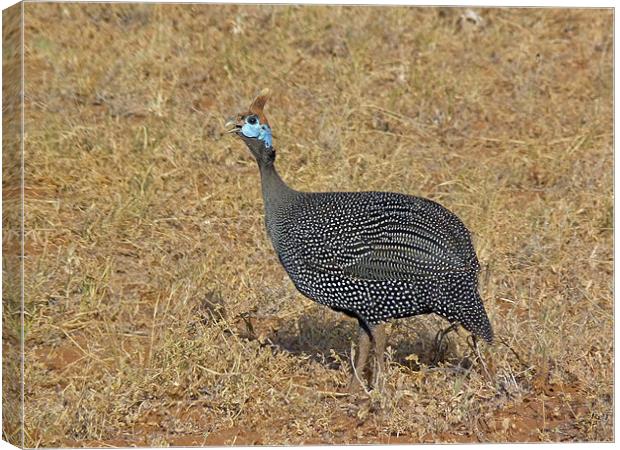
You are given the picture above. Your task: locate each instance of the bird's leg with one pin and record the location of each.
(441, 334)
(358, 369)
(379, 339)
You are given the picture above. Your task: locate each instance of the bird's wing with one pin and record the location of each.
(414, 238)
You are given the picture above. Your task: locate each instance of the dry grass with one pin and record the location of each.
(156, 310)
(11, 295)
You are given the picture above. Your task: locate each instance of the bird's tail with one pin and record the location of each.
(475, 320)
(468, 306)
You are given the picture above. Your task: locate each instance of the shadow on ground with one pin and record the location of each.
(329, 342)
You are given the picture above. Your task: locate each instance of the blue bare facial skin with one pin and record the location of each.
(252, 128)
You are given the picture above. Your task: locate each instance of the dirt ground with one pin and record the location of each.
(156, 311)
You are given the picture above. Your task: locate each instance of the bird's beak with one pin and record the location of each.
(233, 124)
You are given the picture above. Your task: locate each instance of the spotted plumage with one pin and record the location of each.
(375, 256)
(379, 256)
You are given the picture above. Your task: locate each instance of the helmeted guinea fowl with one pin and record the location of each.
(372, 255)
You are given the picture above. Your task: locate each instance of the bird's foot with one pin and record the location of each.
(440, 348)
(356, 386)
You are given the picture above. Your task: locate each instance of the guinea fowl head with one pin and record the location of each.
(252, 127)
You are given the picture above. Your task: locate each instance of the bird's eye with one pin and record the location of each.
(252, 120)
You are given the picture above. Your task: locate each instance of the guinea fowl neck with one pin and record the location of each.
(275, 190)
